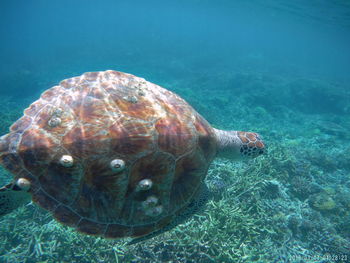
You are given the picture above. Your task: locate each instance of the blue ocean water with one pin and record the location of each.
(280, 68)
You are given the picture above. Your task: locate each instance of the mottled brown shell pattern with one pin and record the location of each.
(99, 117)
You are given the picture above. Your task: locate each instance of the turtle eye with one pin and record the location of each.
(117, 165)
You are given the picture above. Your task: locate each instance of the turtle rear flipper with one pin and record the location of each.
(12, 197)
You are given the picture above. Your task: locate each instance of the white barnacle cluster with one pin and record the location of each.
(151, 206)
(139, 86)
(57, 112)
(131, 99)
(55, 119)
(141, 92)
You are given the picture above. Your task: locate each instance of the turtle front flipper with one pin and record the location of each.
(14, 195)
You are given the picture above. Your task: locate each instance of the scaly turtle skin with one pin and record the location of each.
(113, 155)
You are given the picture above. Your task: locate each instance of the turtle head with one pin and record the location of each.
(236, 145)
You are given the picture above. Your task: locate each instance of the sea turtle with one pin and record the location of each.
(113, 155)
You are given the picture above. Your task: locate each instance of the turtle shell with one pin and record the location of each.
(110, 154)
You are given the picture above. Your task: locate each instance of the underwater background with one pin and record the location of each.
(280, 68)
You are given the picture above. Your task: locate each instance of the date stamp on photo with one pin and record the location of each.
(331, 257)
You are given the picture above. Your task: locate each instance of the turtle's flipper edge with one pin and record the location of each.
(12, 197)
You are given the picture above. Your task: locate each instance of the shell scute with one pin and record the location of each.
(22, 124)
(52, 94)
(132, 137)
(206, 138)
(45, 201)
(158, 167)
(103, 190)
(175, 136)
(118, 231)
(65, 215)
(61, 182)
(36, 149)
(43, 117)
(70, 83)
(12, 162)
(34, 108)
(82, 142)
(91, 228)
(95, 112)
(143, 230)
(189, 174)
